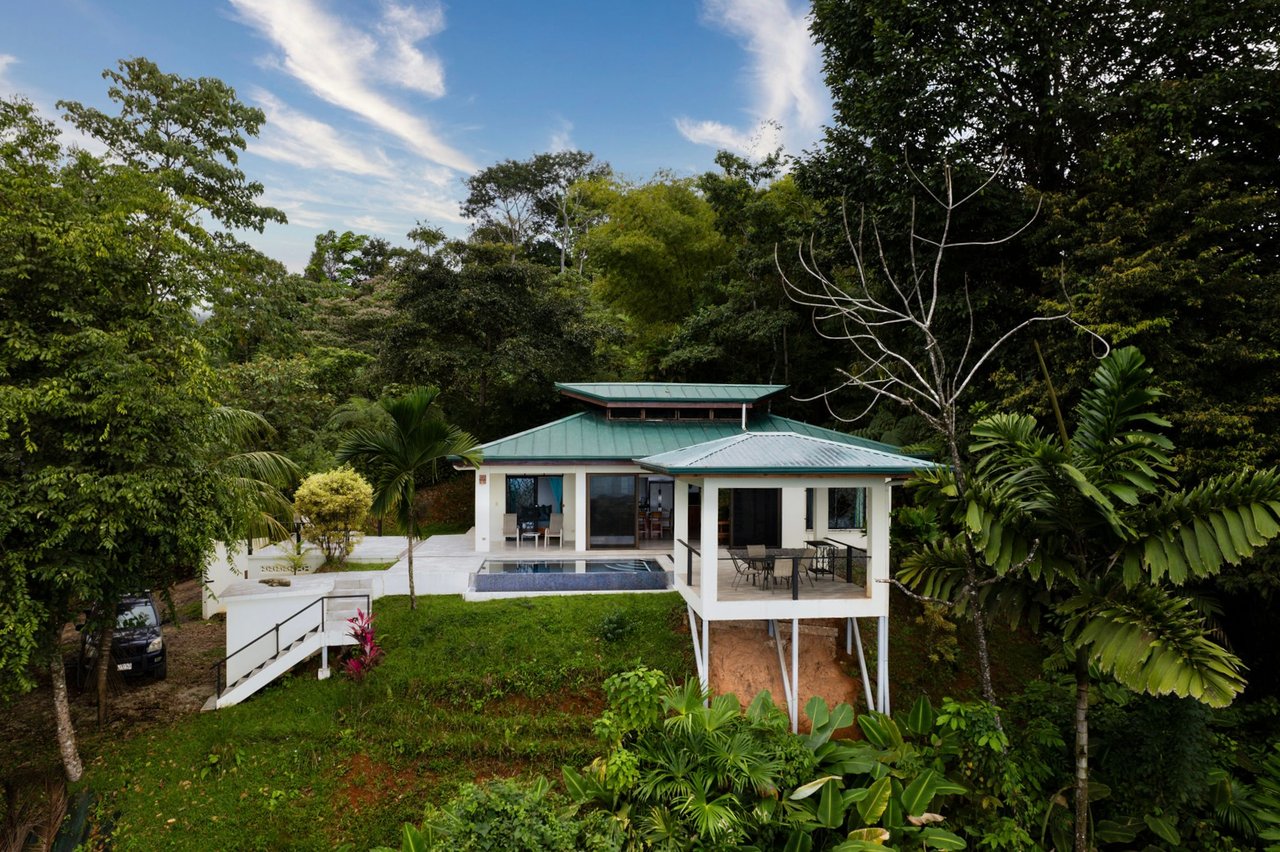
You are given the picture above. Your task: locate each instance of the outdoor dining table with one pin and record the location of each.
(768, 564)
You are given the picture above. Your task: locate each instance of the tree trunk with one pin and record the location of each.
(413, 598)
(105, 636)
(62, 712)
(976, 615)
(1082, 753)
(984, 654)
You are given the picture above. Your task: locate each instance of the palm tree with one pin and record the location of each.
(253, 480)
(404, 454)
(1091, 531)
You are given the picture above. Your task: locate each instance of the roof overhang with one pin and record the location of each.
(670, 394)
(781, 454)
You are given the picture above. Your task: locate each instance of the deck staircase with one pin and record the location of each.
(322, 623)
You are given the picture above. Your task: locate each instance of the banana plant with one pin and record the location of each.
(1086, 533)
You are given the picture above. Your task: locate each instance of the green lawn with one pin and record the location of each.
(467, 691)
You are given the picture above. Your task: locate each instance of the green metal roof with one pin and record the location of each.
(780, 453)
(674, 393)
(590, 437)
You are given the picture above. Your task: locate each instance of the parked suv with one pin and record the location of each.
(137, 647)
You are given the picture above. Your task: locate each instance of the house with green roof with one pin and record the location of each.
(695, 472)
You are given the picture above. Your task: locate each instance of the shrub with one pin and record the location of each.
(334, 505)
(504, 815)
(367, 653)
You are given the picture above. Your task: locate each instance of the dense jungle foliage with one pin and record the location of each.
(1117, 165)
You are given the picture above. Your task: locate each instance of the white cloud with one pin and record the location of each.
(341, 63)
(6, 59)
(292, 137)
(562, 137)
(790, 99)
(713, 133)
(404, 27)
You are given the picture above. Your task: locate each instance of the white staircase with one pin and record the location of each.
(322, 623)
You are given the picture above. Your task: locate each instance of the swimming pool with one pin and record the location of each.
(570, 575)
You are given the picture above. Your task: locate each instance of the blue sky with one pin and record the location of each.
(378, 110)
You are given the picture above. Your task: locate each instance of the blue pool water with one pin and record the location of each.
(568, 566)
(570, 575)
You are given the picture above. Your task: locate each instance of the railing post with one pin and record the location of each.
(277, 640)
(688, 558)
(795, 580)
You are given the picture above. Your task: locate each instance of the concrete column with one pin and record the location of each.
(821, 513)
(580, 510)
(680, 529)
(708, 578)
(484, 524)
(878, 505)
(793, 517)
(882, 664)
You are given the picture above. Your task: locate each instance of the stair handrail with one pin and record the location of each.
(220, 667)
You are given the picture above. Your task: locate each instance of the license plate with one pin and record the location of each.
(124, 667)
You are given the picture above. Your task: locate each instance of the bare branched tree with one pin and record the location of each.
(893, 320)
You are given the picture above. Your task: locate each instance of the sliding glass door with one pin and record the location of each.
(611, 520)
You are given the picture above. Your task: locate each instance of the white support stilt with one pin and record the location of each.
(795, 675)
(323, 674)
(699, 658)
(786, 677)
(706, 662)
(882, 663)
(862, 661)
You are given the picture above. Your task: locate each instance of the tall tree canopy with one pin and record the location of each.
(1143, 127)
(520, 202)
(497, 336)
(187, 132)
(105, 413)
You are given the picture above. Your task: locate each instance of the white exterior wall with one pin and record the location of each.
(250, 612)
(483, 529)
(225, 568)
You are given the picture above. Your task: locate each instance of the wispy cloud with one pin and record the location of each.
(403, 27)
(713, 133)
(292, 137)
(790, 100)
(562, 137)
(6, 59)
(342, 64)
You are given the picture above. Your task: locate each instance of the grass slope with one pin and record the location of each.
(467, 691)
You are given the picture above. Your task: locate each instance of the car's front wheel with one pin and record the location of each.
(161, 670)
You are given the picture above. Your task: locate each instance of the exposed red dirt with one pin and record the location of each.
(744, 660)
(368, 782)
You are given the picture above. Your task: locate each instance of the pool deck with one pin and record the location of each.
(444, 565)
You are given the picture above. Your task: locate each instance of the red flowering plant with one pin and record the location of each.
(366, 653)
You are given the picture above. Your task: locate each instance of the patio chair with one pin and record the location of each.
(555, 528)
(823, 562)
(743, 568)
(758, 555)
(510, 529)
(810, 564)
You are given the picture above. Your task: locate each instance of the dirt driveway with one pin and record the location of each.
(26, 726)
